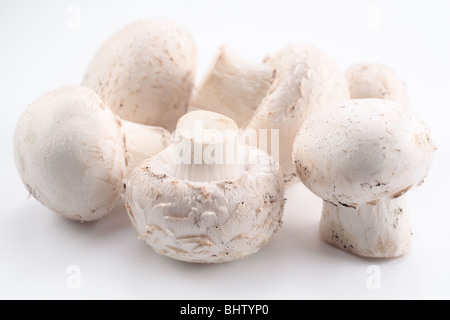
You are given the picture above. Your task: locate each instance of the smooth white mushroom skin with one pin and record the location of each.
(69, 152)
(146, 72)
(73, 153)
(305, 79)
(360, 157)
(371, 80)
(233, 87)
(193, 220)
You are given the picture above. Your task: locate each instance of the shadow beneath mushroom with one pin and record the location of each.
(298, 240)
(116, 221)
(297, 243)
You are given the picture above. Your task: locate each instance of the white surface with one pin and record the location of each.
(40, 53)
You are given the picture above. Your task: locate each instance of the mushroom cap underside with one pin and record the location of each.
(207, 222)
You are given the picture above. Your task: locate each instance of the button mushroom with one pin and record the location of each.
(233, 87)
(305, 80)
(361, 157)
(146, 72)
(72, 152)
(371, 80)
(197, 202)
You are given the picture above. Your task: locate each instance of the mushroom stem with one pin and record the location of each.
(233, 86)
(142, 141)
(381, 230)
(206, 148)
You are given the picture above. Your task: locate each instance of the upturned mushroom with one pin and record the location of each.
(196, 201)
(361, 157)
(372, 80)
(146, 72)
(72, 152)
(305, 79)
(233, 86)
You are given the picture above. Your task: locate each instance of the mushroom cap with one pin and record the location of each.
(69, 152)
(306, 78)
(362, 151)
(372, 80)
(146, 72)
(206, 222)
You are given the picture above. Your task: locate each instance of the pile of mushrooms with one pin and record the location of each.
(136, 132)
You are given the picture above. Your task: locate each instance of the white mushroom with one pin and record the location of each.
(71, 152)
(361, 157)
(233, 86)
(305, 80)
(196, 202)
(371, 80)
(146, 72)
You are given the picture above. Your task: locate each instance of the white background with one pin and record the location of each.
(40, 51)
